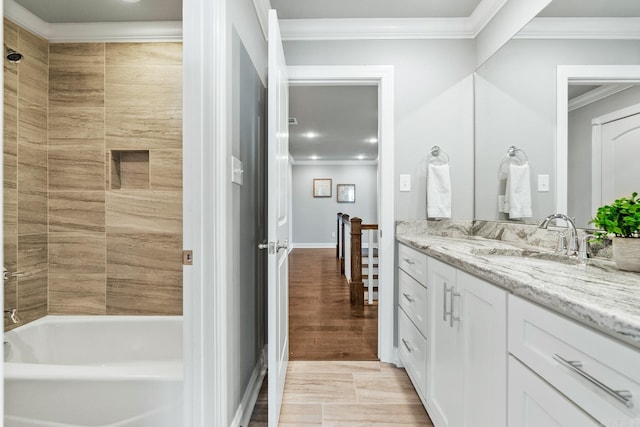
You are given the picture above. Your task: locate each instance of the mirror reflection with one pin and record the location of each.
(516, 102)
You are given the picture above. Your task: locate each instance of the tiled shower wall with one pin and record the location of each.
(114, 228)
(25, 174)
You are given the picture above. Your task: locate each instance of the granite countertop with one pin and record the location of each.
(596, 294)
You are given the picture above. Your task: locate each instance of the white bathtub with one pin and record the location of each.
(123, 371)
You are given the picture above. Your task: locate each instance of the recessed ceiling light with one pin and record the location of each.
(360, 157)
(372, 140)
(131, 1)
(314, 157)
(310, 135)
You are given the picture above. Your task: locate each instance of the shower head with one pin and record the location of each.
(13, 56)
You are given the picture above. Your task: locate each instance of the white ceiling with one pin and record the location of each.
(303, 9)
(342, 117)
(74, 11)
(592, 8)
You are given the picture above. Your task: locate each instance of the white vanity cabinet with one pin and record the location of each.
(452, 341)
(412, 315)
(598, 374)
(467, 359)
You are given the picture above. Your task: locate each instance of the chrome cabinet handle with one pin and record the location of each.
(622, 396)
(453, 318)
(408, 297)
(406, 344)
(444, 302)
(408, 261)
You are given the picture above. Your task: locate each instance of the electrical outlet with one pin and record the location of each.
(543, 183)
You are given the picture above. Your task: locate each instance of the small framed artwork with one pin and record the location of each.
(322, 187)
(346, 193)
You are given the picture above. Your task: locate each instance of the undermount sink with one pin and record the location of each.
(524, 255)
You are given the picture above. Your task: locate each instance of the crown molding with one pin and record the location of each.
(596, 95)
(94, 31)
(262, 12)
(484, 13)
(582, 28)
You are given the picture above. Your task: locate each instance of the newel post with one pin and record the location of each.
(356, 285)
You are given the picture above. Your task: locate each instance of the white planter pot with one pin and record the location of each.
(626, 253)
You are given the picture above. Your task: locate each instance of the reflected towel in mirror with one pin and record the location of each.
(438, 191)
(517, 198)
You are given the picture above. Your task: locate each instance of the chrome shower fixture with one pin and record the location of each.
(12, 55)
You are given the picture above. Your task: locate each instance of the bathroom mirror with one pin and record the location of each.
(517, 103)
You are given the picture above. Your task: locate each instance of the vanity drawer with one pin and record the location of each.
(413, 351)
(412, 297)
(550, 345)
(413, 262)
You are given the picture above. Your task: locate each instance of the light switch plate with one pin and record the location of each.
(543, 183)
(236, 170)
(405, 182)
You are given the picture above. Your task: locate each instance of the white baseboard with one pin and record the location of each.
(313, 245)
(243, 414)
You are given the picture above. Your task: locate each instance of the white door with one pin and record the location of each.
(620, 143)
(278, 220)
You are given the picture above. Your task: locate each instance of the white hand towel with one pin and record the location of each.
(438, 191)
(518, 194)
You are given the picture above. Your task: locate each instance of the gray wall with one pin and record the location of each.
(580, 159)
(314, 219)
(516, 105)
(433, 105)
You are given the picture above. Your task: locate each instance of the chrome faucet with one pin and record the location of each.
(573, 238)
(583, 254)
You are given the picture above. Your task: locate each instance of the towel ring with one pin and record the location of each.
(437, 154)
(517, 153)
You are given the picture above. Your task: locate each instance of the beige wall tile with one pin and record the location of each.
(32, 125)
(76, 211)
(76, 125)
(165, 169)
(77, 253)
(143, 128)
(10, 123)
(32, 288)
(77, 86)
(132, 54)
(132, 170)
(143, 85)
(33, 81)
(144, 212)
(73, 54)
(10, 34)
(144, 293)
(10, 77)
(32, 46)
(77, 294)
(32, 212)
(76, 168)
(151, 254)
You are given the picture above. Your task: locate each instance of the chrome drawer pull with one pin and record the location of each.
(444, 302)
(406, 344)
(408, 261)
(622, 396)
(408, 297)
(453, 318)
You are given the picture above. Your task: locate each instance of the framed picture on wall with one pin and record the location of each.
(322, 187)
(346, 193)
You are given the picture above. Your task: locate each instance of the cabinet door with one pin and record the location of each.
(444, 369)
(483, 315)
(534, 403)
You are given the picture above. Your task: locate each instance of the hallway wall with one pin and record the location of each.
(314, 219)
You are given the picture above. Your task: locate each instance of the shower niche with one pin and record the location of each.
(129, 169)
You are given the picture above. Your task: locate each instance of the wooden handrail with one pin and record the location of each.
(369, 226)
(356, 286)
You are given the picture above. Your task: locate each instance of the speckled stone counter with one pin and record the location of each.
(522, 262)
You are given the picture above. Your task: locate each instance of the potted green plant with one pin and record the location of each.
(621, 222)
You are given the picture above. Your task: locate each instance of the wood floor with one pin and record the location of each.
(334, 378)
(322, 323)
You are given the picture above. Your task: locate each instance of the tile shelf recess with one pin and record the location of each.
(129, 169)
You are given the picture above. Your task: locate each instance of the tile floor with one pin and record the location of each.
(345, 394)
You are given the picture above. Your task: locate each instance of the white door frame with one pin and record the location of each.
(382, 76)
(594, 74)
(206, 210)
